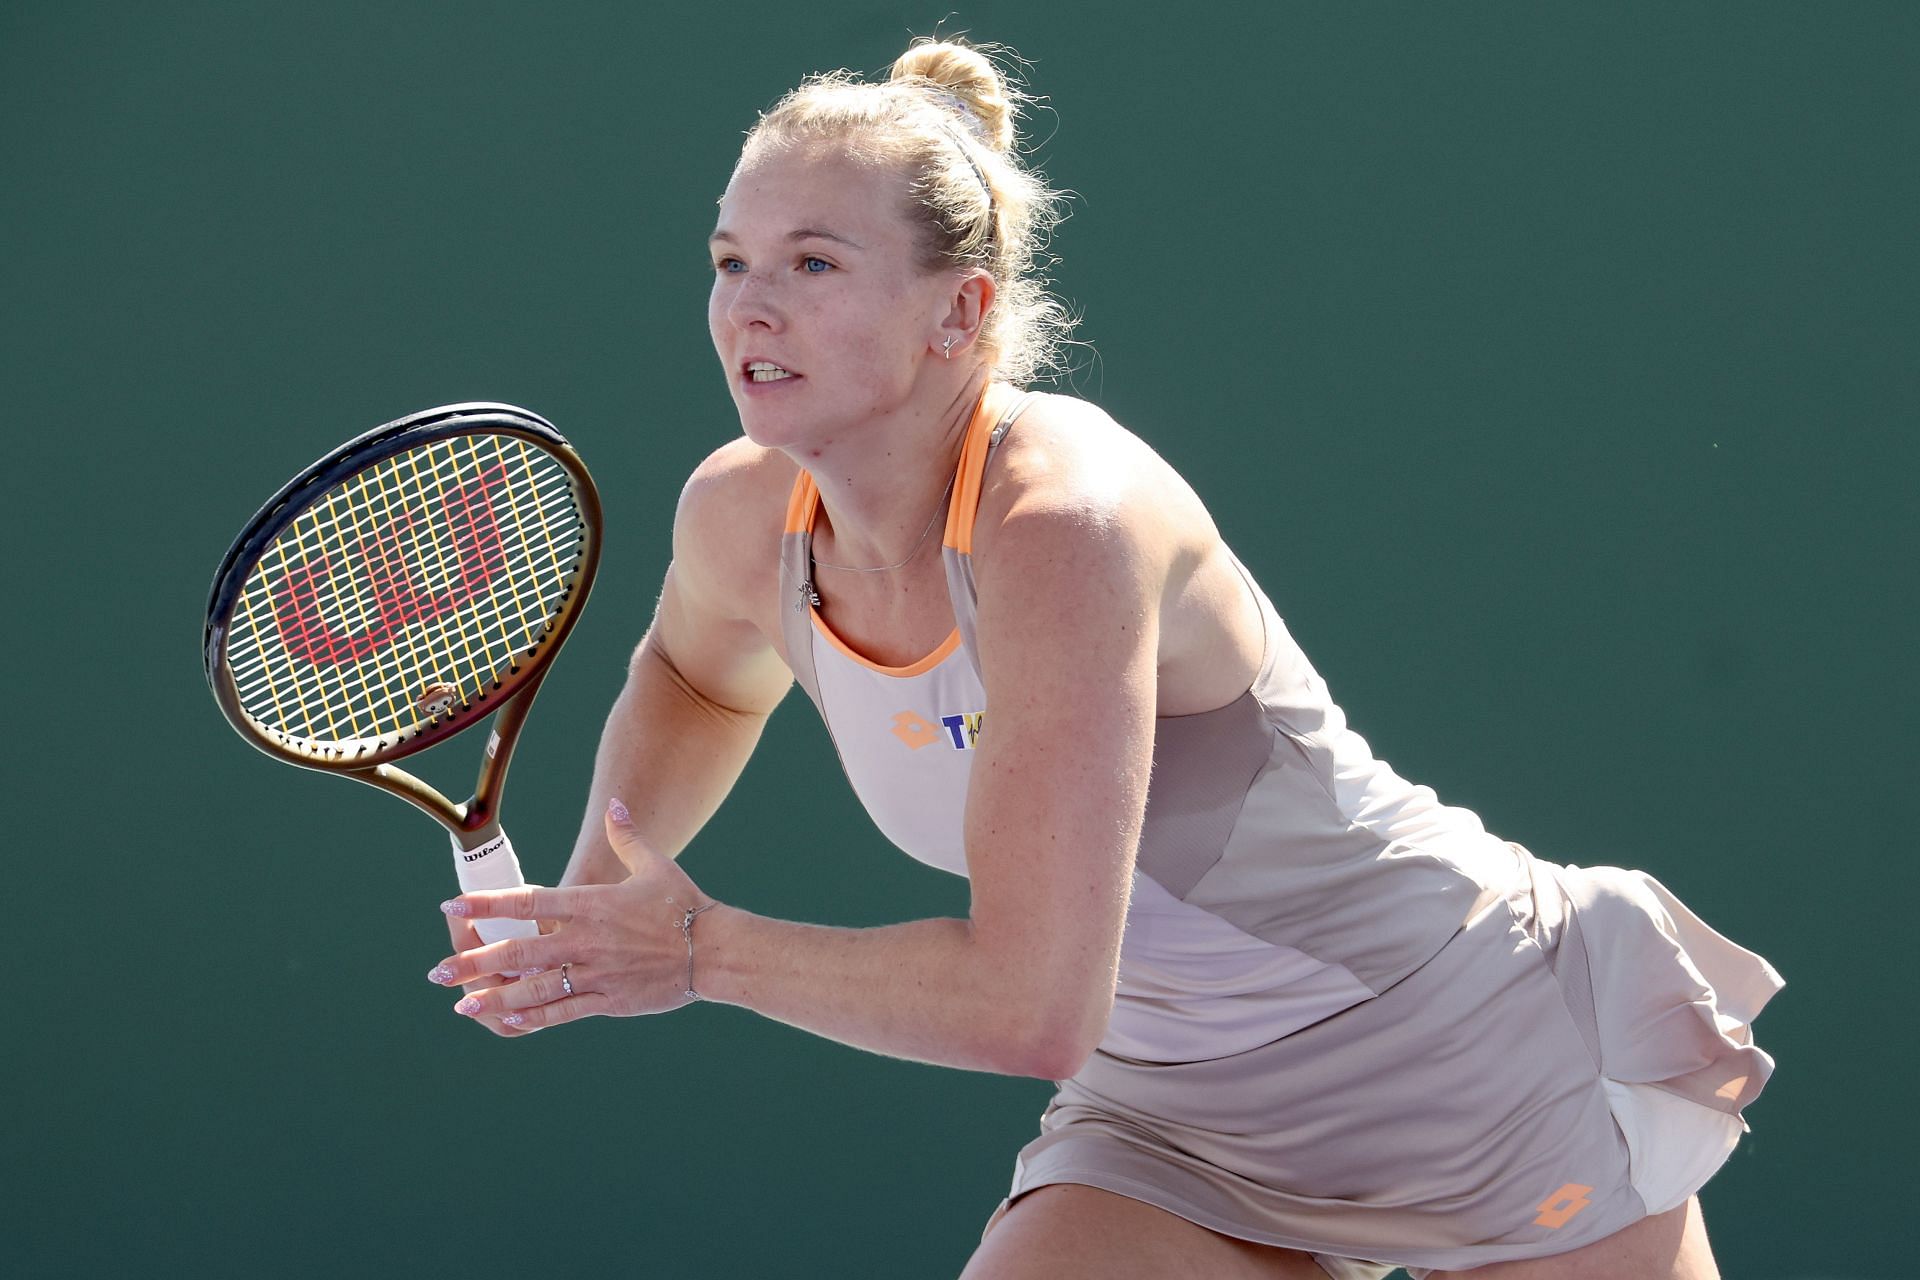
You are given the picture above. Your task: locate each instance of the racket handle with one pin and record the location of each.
(491, 864)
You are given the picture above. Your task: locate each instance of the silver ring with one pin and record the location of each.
(566, 983)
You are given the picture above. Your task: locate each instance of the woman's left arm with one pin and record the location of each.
(1068, 637)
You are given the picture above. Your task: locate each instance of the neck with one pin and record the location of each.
(881, 484)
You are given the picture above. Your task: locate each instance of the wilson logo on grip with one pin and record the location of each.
(464, 532)
(1558, 1209)
(490, 847)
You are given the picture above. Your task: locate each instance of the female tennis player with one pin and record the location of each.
(1305, 1019)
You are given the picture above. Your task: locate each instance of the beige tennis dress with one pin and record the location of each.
(1348, 1020)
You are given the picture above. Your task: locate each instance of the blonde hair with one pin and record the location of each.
(948, 117)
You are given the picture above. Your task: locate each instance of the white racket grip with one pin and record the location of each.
(493, 866)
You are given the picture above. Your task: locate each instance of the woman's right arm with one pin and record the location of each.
(704, 680)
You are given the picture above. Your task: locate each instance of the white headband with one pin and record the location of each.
(975, 125)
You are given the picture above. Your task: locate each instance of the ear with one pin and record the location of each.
(967, 308)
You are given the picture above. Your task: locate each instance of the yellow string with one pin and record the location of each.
(486, 617)
(419, 484)
(471, 630)
(306, 708)
(520, 532)
(266, 662)
(340, 593)
(411, 663)
(276, 664)
(373, 681)
(546, 530)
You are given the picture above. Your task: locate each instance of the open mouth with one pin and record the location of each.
(767, 371)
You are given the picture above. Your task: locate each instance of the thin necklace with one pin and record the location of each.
(811, 595)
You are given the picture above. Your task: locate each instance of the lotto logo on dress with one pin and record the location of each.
(1558, 1209)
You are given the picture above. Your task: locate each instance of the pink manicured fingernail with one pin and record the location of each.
(470, 1005)
(441, 974)
(618, 810)
(455, 907)
(514, 1019)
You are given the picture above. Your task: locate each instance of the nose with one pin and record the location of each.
(750, 303)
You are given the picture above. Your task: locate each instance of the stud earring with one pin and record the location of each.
(946, 348)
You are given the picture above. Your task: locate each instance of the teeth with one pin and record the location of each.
(761, 371)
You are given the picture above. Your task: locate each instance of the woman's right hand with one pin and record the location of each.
(466, 939)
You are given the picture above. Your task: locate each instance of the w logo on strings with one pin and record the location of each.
(459, 543)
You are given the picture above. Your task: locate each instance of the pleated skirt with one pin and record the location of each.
(1575, 1058)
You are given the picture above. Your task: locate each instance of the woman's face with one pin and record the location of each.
(820, 315)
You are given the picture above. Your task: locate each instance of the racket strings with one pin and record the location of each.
(402, 598)
(457, 653)
(414, 586)
(326, 640)
(381, 592)
(443, 559)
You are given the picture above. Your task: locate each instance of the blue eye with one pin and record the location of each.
(815, 266)
(731, 266)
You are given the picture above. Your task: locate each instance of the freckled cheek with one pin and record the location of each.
(872, 359)
(716, 314)
(831, 333)
(874, 336)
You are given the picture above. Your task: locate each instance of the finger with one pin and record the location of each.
(461, 934)
(512, 956)
(499, 1028)
(465, 939)
(505, 1033)
(625, 838)
(587, 1004)
(526, 902)
(544, 988)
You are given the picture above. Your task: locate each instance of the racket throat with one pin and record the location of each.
(470, 824)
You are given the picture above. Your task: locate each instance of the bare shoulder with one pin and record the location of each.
(1083, 512)
(727, 527)
(737, 475)
(1067, 464)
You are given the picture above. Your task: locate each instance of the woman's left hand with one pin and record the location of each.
(620, 946)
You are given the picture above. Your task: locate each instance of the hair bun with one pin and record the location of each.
(967, 75)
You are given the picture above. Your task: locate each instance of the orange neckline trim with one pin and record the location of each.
(917, 667)
(803, 509)
(803, 501)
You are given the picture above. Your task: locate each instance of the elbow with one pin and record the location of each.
(1055, 1062)
(1045, 1017)
(1060, 1043)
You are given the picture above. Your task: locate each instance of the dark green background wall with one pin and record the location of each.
(1553, 365)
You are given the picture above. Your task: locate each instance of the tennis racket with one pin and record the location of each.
(405, 587)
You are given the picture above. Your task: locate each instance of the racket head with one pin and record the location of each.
(403, 587)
